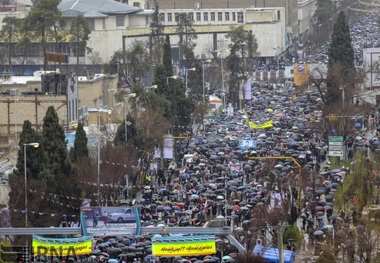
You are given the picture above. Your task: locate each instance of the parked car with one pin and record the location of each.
(123, 215)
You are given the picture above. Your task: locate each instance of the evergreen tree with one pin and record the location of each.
(160, 74)
(34, 157)
(167, 59)
(341, 65)
(194, 82)
(38, 24)
(233, 63)
(8, 33)
(243, 46)
(325, 10)
(79, 35)
(138, 59)
(34, 161)
(186, 34)
(134, 138)
(80, 148)
(57, 164)
(156, 33)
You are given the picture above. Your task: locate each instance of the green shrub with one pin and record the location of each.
(292, 232)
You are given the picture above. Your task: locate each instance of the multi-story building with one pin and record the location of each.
(116, 25)
(27, 98)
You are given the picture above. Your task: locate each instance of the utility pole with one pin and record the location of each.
(280, 231)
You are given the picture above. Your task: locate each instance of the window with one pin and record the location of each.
(136, 4)
(119, 20)
(80, 52)
(212, 16)
(205, 16)
(170, 18)
(176, 17)
(198, 16)
(220, 16)
(162, 17)
(240, 17)
(227, 16)
(191, 16)
(278, 15)
(233, 16)
(69, 108)
(104, 24)
(59, 48)
(91, 24)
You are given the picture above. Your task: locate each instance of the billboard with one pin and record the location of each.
(175, 246)
(61, 247)
(371, 64)
(301, 74)
(168, 147)
(247, 144)
(111, 220)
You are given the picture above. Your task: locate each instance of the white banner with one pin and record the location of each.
(248, 91)
(168, 147)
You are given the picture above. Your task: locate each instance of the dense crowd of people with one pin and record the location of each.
(224, 174)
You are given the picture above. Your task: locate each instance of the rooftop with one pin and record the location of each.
(95, 7)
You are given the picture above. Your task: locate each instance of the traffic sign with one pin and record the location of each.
(336, 153)
(336, 143)
(336, 146)
(335, 139)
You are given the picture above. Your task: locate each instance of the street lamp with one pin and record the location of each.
(98, 156)
(171, 77)
(221, 66)
(132, 95)
(16, 137)
(207, 61)
(186, 72)
(242, 44)
(152, 87)
(343, 95)
(35, 145)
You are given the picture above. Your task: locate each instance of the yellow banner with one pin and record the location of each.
(184, 249)
(265, 125)
(61, 247)
(301, 74)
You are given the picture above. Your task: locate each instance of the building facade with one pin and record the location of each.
(116, 25)
(27, 98)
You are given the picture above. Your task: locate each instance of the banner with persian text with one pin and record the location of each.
(183, 246)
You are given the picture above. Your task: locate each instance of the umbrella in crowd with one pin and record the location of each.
(223, 173)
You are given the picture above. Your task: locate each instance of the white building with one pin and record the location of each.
(306, 10)
(116, 25)
(212, 25)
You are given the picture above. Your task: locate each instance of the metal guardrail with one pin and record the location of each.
(144, 230)
(236, 243)
(40, 231)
